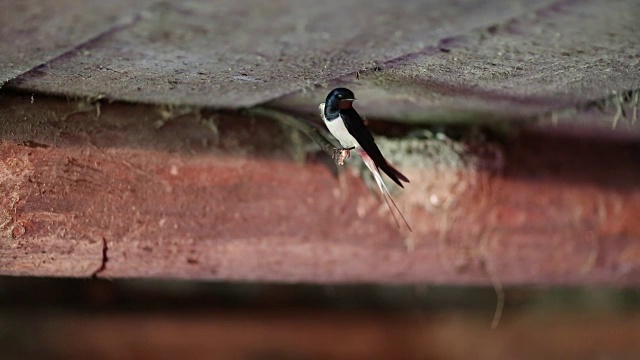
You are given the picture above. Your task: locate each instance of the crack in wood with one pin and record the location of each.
(105, 259)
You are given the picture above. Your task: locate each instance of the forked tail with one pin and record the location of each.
(383, 189)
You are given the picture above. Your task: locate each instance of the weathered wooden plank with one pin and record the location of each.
(34, 32)
(561, 56)
(232, 54)
(221, 196)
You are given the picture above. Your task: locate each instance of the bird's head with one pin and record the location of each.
(340, 98)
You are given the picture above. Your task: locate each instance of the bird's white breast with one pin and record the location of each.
(338, 130)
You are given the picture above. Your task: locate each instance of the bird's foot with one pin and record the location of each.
(340, 155)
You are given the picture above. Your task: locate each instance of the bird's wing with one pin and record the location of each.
(356, 127)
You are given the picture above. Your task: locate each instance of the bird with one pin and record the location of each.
(346, 125)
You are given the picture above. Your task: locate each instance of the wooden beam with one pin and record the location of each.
(123, 190)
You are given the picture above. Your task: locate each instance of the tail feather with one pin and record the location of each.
(384, 190)
(393, 173)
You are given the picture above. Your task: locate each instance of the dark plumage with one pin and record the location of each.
(338, 108)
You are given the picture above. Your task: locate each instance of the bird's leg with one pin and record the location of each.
(340, 155)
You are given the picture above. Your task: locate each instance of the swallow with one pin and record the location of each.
(347, 127)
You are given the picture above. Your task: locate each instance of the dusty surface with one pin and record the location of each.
(35, 32)
(561, 56)
(230, 54)
(439, 59)
(210, 54)
(220, 197)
